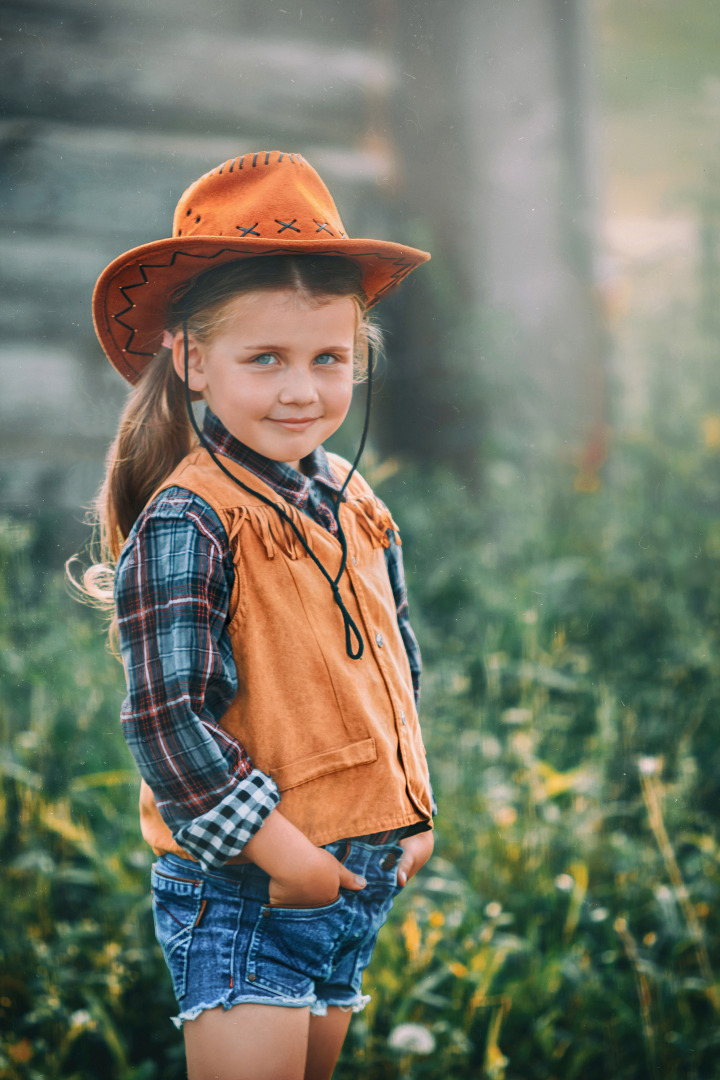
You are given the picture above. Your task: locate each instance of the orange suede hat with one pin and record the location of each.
(268, 203)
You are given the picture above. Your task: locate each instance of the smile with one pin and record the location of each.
(295, 423)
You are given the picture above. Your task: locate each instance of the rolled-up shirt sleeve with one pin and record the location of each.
(172, 591)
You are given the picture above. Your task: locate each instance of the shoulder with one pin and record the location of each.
(358, 485)
(361, 500)
(175, 519)
(176, 549)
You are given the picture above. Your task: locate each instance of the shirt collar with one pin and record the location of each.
(292, 485)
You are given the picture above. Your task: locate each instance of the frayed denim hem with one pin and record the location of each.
(358, 1003)
(292, 1003)
(317, 1007)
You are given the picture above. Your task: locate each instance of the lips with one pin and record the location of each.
(295, 423)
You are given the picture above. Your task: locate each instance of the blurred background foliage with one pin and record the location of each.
(567, 598)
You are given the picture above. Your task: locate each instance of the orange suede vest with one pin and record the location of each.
(339, 737)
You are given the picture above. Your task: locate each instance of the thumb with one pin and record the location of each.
(405, 869)
(348, 880)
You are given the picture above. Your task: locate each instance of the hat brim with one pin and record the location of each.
(131, 295)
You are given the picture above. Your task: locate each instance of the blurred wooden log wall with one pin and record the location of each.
(456, 126)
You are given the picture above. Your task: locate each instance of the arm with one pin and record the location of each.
(173, 586)
(396, 573)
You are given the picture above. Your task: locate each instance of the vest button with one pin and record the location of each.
(266, 913)
(402, 717)
(379, 639)
(251, 978)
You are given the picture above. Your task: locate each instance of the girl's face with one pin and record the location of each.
(279, 372)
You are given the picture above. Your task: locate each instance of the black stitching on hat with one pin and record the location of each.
(250, 231)
(267, 157)
(197, 219)
(287, 225)
(241, 159)
(292, 158)
(322, 226)
(281, 155)
(188, 213)
(403, 269)
(255, 157)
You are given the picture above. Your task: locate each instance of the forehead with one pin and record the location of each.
(287, 312)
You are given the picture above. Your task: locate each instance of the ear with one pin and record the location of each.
(196, 362)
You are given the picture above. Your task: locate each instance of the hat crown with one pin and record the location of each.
(271, 194)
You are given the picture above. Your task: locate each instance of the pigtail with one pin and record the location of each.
(154, 435)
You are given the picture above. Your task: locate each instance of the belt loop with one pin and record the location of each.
(348, 849)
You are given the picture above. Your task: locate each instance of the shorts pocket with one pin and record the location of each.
(178, 907)
(292, 947)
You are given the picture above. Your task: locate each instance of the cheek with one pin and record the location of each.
(342, 394)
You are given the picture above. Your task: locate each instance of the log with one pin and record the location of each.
(189, 80)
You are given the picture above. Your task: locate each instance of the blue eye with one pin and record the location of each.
(264, 359)
(325, 358)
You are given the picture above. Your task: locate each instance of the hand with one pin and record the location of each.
(317, 883)
(417, 849)
(301, 875)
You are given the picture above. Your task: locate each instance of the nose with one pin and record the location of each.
(298, 387)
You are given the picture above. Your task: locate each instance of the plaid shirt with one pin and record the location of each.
(173, 585)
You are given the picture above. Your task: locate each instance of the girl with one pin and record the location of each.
(271, 669)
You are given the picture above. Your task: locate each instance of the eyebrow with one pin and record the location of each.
(325, 348)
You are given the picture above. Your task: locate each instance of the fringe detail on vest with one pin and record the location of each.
(275, 534)
(375, 519)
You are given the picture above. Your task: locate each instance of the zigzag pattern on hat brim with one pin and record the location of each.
(399, 262)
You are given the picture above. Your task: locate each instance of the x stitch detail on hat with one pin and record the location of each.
(264, 203)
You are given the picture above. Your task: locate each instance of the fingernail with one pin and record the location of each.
(360, 881)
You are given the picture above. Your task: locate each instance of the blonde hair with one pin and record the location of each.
(154, 432)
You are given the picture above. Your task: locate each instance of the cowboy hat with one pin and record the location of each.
(265, 203)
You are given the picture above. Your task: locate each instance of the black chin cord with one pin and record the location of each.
(351, 631)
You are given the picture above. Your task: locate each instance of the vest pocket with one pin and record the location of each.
(329, 761)
(178, 907)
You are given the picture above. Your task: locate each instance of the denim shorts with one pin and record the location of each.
(225, 945)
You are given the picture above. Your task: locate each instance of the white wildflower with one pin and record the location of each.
(80, 1018)
(412, 1039)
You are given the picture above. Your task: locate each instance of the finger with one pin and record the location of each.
(348, 880)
